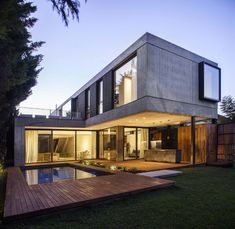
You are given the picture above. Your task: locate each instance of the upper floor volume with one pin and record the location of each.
(151, 75)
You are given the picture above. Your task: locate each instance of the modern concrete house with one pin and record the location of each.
(135, 108)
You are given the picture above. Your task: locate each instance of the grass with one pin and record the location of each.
(204, 197)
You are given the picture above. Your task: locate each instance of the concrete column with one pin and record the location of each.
(19, 146)
(193, 141)
(120, 142)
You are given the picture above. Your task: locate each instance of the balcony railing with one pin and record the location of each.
(30, 112)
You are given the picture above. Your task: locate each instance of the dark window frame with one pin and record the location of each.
(126, 60)
(202, 85)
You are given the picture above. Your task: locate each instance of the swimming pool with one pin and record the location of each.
(58, 173)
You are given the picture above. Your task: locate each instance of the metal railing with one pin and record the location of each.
(47, 113)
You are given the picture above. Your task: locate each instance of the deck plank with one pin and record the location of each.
(23, 200)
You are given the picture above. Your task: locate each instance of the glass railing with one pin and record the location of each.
(47, 113)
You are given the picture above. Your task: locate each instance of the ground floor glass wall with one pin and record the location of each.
(37, 146)
(59, 145)
(68, 145)
(130, 151)
(135, 142)
(142, 141)
(63, 145)
(107, 144)
(86, 145)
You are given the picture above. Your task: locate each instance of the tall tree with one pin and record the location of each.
(19, 67)
(228, 107)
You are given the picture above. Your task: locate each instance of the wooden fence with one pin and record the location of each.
(213, 142)
(226, 141)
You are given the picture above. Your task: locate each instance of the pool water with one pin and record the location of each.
(56, 174)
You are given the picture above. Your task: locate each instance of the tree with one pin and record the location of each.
(65, 8)
(228, 107)
(19, 67)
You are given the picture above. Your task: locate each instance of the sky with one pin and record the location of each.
(74, 54)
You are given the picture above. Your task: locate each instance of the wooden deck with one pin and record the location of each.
(23, 200)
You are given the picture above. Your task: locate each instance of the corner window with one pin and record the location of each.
(209, 82)
(125, 79)
(100, 97)
(88, 103)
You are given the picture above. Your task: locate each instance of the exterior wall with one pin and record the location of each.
(173, 77)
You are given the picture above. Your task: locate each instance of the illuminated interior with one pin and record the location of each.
(140, 133)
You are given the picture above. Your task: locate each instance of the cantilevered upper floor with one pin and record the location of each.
(152, 75)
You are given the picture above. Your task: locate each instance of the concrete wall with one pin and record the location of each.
(173, 77)
(19, 146)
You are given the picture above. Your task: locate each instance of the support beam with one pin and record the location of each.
(193, 148)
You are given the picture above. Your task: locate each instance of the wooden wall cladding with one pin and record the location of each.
(184, 143)
(205, 143)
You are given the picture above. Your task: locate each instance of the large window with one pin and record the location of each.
(86, 145)
(107, 144)
(142, 141)
(59, 145)
(63, 145)
(125, 89)
(209, 82)
(130, 140)
(88, 103)
(135, 142)
(37, 146)
(100, 97)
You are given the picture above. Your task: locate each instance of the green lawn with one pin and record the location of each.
(204, 197)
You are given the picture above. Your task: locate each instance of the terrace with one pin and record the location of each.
(23, 200)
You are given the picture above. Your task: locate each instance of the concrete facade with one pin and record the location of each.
(167, 82)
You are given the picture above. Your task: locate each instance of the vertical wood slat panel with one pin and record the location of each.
(226, 141)
(184, 143)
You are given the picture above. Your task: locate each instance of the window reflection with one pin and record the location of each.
(211, 82)
(125, 89)
(107, 144)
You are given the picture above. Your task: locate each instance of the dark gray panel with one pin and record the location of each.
(74, 104)
(93, 89)
(108, 91)
(81, 104)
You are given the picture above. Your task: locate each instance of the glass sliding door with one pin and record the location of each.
(142, 141)
(130, 139)
(37, 146)
(86, 145)
(107, 144)
(63, 145)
